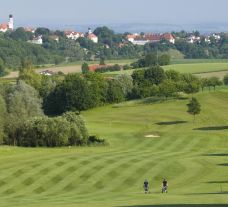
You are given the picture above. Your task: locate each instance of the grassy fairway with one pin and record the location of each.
(193, 157)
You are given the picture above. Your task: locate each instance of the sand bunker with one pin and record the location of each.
(152, 136)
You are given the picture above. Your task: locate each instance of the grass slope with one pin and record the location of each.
(193, 157)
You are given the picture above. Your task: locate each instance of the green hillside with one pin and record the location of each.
(152, 140)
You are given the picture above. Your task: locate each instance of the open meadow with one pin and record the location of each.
(147, 139)
(201, 69)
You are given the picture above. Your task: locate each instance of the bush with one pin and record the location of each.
(108, 68)
(127, 67)
(65, 130)
(114, 93)
(95, 140)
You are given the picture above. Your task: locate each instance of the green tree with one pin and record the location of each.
(30, 77)
(102, 61)
(98, 88)
(79, 132)
(225, 79)
(2, 67)
(155, 75)
(85, 68)
(3, 115)
(194, 107)
(164, 59)
(73, 94)
(114, 93)
(21, 35)
(47, 85)
(214, 81)
(138, 76)
(42, 31)
(192, 83)
(172, 75)
(204, 82)
(167, 89)
(23, 103)
(68, 129)
(126, 83)
(151, 60)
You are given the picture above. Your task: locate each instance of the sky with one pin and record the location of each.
(67, 12)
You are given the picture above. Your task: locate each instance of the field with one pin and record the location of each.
(206, 67)
(194, 68)
(74, 67)
(148, 139)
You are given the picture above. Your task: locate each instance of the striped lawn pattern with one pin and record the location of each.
(194, 160)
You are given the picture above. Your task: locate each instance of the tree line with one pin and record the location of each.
(23, 122)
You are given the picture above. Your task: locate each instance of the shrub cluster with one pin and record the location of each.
(68, 129)
(108, 68)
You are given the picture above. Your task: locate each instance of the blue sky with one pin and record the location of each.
(60, 12)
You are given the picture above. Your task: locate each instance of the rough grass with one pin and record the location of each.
(192, 156)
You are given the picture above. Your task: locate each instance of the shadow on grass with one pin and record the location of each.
(223, 164)
(218, 182)
(152, 100)
(215, 128)
(217, 155)
(180, 205)
(213, 193)
(171, 123)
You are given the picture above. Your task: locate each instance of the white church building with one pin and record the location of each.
(4, 27)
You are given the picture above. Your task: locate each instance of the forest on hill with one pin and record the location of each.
(16, 51)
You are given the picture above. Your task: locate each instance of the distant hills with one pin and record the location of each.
(143, 27)
(137, 27)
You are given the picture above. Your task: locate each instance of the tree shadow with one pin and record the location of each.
(218, 182)
(223, 164)
(214, 128)
(217, 155)
(213, 193)
(171, 123)
(180, 205)
(152, 100)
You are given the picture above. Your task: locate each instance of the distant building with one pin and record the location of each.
(47, 73)
(137, 39)
(37, 40)
(11, 22)
(193, 39)
(217, 37)
(207, 39)
(4, 27)
(54, 37)
(73, 35)
(92, 36)
(29, 29)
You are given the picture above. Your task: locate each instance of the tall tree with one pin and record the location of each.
(194, 107)
(23, 103)
(2, 118)
(85, 68)
(73, 94)
(155, 75)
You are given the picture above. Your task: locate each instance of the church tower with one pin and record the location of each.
(90, 31)
(11, 23)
